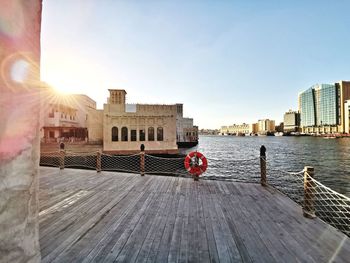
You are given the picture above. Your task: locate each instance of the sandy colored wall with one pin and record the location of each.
(94, 124)
(19, 130)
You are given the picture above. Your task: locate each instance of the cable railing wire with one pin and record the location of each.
(121, 163)
(330, 206)
(80, 160)
(300, 186)
(310, 194)
(50, 159)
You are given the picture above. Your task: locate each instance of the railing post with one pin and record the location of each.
(142, 160)
(98, 161)
(308, 209)
(263, 165)
(62, 155)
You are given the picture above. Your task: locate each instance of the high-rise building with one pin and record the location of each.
(347, 116)
(291, 120)
(321, 107)
(266, 126)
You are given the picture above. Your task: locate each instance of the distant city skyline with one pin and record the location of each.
(226, 61)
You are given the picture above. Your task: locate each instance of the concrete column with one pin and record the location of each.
(19, 130)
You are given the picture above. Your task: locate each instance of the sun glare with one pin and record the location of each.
(61, 90)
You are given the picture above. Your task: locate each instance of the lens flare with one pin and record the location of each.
(19, 71)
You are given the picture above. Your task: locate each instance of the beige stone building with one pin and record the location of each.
(239, 129)
(124, 127)
(265, 126)
(186, 132)
(291, 121)
(64, 117)
(347, 116)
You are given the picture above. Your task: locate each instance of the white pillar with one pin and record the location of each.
(19, 130)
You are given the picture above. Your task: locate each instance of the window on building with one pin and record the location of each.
(142, 135)
(133, 135)
(52, 113)
(151, 134)
(124, 134)
(114, 134)
(159, 134)
(51, 134)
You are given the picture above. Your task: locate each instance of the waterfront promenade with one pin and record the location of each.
(105, 217)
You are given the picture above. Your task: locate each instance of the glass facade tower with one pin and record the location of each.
(307, 108)
(326, 105)
(319, 106)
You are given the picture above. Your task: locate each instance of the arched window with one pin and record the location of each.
(124, 134)
(142, 135)
(114, 134)
(133, 135)
(151, 134)
(159, 134)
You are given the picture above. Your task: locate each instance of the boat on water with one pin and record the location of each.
(188, 144)
(279, 134)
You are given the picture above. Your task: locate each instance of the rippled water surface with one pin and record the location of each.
(329, 157)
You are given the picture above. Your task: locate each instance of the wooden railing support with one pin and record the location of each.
(263, 165)
(142, 160)
(309, 209)
(62, 155)
(98, 161)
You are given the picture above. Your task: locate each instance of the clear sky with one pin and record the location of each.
(227, 61)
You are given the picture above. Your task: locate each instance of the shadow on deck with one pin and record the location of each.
(106, 217)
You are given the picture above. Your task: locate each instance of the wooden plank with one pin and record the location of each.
(135, 241)
(263, 225)
(121, 216)
(125, 217)
(317, 238)
(114, 233)
(202, 245)
(212, 248)
(227, 236)
(128, 229)
(257, 250)
(175, 242)
(79, 227)
(163, 249)
(155, 227)
(184, 245)
(94, 238)
(66, 215)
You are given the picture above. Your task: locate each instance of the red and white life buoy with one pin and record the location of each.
(192, 163)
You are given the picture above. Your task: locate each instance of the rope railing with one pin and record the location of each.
(315, 198)
(85, 160)
(325, 203)
(50, 159)
(123, 163)
(160, 165)
(119, 163)
(289, 183)
(237, 170)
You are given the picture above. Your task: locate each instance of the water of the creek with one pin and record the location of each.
(329, 157)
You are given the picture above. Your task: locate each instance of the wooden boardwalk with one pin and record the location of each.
(113, 217)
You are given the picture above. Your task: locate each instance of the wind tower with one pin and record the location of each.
(116, 100)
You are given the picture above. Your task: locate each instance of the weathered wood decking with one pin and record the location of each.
(91, 217)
